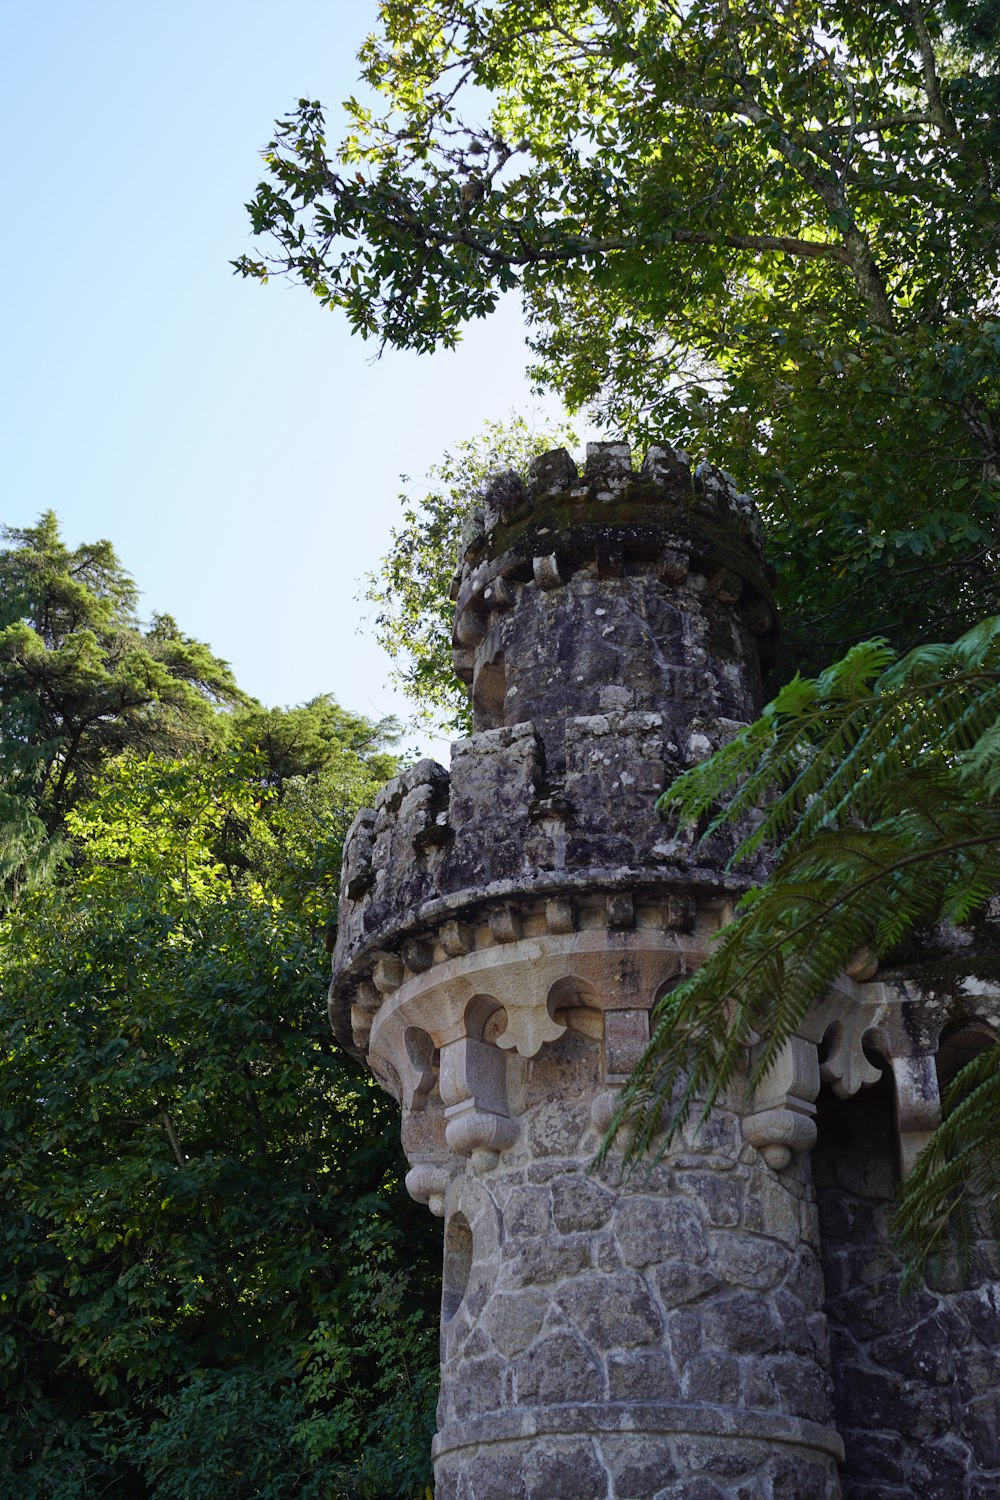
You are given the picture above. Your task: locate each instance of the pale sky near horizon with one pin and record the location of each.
(240, 449)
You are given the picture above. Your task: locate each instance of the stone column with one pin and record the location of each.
(505, 930)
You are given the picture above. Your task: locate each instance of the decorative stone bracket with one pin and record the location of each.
(474, 1093)
(780, 1121)
(443, 1040)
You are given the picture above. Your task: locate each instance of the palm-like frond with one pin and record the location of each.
(822, 750)
(954, 1190)
(873, 787)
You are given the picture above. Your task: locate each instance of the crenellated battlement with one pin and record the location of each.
(610, 492)
(613, 590)
(496, 835)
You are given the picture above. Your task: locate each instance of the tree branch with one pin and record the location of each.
(175, 1144)
(541, 255)
(940, 114)
(859, 254)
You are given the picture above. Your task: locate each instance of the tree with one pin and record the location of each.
(314, 766)
(769, 232)
(211, 1279)
(81, 679)
(411, 592)
(319, 736)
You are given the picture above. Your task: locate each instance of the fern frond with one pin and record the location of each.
(956, 1181)
(821, 751)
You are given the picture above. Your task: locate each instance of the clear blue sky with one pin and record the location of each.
(237, 446)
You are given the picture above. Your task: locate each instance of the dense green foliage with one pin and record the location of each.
(411, 591)
(211, 1279)
(82, 680)
(876, 787)
(769, 233)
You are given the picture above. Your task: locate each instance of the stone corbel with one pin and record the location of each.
(918, 1106)
(626, 1037)
(427, 1182)
(781, 1120)
(474, 1093)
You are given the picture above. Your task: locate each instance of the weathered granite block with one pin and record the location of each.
(494, 778)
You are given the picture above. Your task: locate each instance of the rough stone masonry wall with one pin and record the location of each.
(663, 1340)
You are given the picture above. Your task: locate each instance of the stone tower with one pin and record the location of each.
(505, 928)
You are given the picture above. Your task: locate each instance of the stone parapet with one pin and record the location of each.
(494, 839)
(612, 591)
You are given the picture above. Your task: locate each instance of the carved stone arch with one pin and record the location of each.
(570, 1065)
(423, 1065)
(672, 971)
(485, 1018)
(473, 1236)
(958, 1043)
(576, 1004)
(387, 1076)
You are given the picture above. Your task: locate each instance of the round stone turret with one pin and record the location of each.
(611, 629)
(612, 592)
(506, 927)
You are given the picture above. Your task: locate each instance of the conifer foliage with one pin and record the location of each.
(82, 679)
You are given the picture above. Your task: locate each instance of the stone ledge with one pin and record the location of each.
(639, 1417)
(441, 918)
(494, 820)
(671, 882)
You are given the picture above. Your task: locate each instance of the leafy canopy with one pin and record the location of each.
(767, 232)
(211, 1279)
(411, 591)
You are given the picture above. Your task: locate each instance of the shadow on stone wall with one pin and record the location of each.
(915, 1378)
